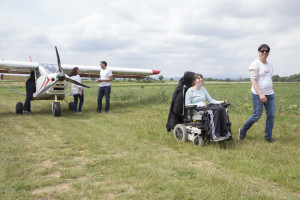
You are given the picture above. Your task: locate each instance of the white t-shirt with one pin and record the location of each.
(75, 89)
(104, 75)
(264, 81)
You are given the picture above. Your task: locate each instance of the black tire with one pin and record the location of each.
(180, 133)
(198, 141)
(56, 110)
(19, 108)
(71, 106)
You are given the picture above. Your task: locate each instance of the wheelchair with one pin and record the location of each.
(197, 126)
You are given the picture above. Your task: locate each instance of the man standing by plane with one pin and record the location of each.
(30, 89)
(104, 86)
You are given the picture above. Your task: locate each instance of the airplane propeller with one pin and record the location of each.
(61, 76)
(58, 61)
(77, 83)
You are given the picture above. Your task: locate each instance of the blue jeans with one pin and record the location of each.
(81, 98)
(27, 103)
(103, 91)
(257, 111)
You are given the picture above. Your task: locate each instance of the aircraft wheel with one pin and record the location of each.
(56, 110)
(71, 106)
(19, 108)
(198, 141)
(180, 133)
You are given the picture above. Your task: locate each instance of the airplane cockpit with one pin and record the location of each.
(45, 69)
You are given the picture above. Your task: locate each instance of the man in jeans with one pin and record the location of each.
(261, 73)
(104, 86)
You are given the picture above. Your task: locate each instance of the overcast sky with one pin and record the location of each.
(212, 37)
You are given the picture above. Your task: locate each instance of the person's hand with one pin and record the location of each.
(205, 105)
(263, 98)
(225, 101)
(80, 93)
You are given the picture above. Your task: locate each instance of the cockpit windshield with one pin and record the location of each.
(48, 68)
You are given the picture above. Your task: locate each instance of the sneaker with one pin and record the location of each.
(75, 113)
(270, 139)
(79, 113)
(27, 113)
(242, 135)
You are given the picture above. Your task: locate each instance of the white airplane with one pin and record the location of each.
(51, 81)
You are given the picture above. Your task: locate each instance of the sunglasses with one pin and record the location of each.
(264, 51)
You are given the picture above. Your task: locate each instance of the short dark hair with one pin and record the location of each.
(103, 62)
(264, 46)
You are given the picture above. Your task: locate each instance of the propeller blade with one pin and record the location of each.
(46, 88)
(77, 83)
(58, 60)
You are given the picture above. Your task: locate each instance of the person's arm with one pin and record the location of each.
(110, 78)
(254, 77)
(262, 97)
(211, 100)
(188, 98)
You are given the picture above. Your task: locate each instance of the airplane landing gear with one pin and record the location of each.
(71, 106)
(56, 109)
(19, 108)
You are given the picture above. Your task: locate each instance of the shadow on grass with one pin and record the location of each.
(227, 144)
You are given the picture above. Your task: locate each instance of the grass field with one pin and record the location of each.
(128, 154)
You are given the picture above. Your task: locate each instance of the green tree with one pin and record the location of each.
(276, 78)
(161, 78)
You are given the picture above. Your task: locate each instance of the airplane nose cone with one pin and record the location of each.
(61, 77)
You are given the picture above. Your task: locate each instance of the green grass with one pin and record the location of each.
(128, 154)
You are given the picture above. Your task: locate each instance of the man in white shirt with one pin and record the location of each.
(104, 86)
(261, 72)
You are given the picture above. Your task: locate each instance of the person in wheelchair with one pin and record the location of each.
(198, 95)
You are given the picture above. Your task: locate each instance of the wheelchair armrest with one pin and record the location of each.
(191, 106)
(225, 105)
(201, 112)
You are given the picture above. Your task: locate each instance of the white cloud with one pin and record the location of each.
(212, 37)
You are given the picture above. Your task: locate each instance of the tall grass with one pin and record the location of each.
(128, 154)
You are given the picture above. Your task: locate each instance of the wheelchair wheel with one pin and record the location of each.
(180, 133)
(198, 141)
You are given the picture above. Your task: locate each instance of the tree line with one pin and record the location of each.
(276, 78)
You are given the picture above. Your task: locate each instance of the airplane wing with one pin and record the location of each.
(16, 67)
(118, 72)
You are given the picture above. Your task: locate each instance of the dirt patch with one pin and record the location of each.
(55, 174)
(81, 159)
(52, 189)
(48, 163)
(109, 195)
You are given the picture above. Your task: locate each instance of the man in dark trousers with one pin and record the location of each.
(30, 89)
